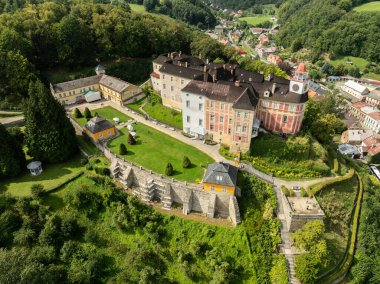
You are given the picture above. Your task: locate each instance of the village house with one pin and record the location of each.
(355, 136)
(371, 145)
(361, 110)
(257, 31)
(99, 128)
(100, 85)
(372, 121)
(226, 104)
(274, 59)
(221, 178)
(264, 40)
(219, 30)
(264, 51)
(354, 89)
(373, 98)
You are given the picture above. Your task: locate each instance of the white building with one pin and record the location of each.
(355, 89)
(193, 114)
(372, 121)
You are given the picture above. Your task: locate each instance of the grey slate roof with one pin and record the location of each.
(183, 72)
(114, 83)
(98, 124)
(222, 174)
(78, 83)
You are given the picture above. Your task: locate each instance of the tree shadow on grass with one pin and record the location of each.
(176, 173)
(191, 166)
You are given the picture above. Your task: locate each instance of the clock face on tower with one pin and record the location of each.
(295, 87)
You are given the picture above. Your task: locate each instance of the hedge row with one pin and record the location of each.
(341, 270)
(313, 189)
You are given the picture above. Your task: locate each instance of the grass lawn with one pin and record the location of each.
(155, 149)
(136, 105)
(356, 61)
(87, 146)
(137, 8)
(373, 76)
(51, 176)
(6, 115)
(369, 7)
(255, 20)
(337, 202)
(164, 114)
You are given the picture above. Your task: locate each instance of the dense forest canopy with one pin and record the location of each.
(326, 26)
(241, 4)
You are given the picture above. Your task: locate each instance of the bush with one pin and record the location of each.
(285, 190)
(186, 134)
(83, 161)
(186, 162)
(169, 169)
(77, 113)
(38, 191)
(89, 167)
(97, 161)
(131, 139)
(291, 192)
(122, 149)
(87, 113)
(303, 192)
(312, 190)
(102, 171)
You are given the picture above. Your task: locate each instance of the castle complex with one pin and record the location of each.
(226, 104)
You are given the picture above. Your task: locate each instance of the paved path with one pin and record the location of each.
(286, 238)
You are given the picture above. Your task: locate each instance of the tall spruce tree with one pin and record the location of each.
(12, 157)
(49, 135)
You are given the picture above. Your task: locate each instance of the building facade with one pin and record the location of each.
(354, 89)
(223, 103)
(98, 128)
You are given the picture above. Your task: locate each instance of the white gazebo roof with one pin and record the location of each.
(34, 165)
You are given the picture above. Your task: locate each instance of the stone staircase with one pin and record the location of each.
(292, 270)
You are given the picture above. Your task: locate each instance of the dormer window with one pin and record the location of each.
(267, 94)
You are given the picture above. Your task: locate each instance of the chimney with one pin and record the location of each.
(224, 66)
(172, 55)
(180, 52)
(205, 68)
(186, 64)
(207, 61)
(273, 88)
(250, 79)
(214, 78)
(168, 55)
(205, 77)
(180, 63)
(237, 83)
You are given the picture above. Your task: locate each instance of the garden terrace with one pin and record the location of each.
(154, 149)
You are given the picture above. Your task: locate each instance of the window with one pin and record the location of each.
(292, 108)
(244, 128)
(100, 135)
(164, 86)
(200, 106)
(238, 128)
(187, 103)
(224, 189)
(69, 93)
(200, 122)
(219, 178)
(230, 121)
(275, 105)
(221, 119)
(109, 132)
(212, 104)
(246, 115)
(188, 118)
(212, 188)
(285, 118)
(211, 127)
(163, 76)
(222, 106)
(229, 131)
(238, 114)
(265, 104)
(212, 117)
(172, 88)
(182, 81)
(171, 79)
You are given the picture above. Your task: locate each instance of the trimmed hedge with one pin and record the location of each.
(313, 189)
(340, 271)
(285, 190)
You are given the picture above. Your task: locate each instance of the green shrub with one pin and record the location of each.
(83, 161)
(291, 192)
(87, 113)
(89, 167)
(97, 161)
(312, 190)
(169, 169)
(38, 191)
(122, 149)
(285, 190)
(106, 171)
(303, 192)
(77, 113)
(131, 139)
(186, 162)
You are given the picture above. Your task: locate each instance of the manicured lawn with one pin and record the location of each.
(136, 105)
(52, 175)
(155, 149)
(337, 202)
(369, 7)
(356, 61)
(5, 115)
(372, 76)
(87, 146)
(106, 112)
(164, 114)
(257, 19)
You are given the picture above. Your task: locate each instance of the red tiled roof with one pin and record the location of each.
(302, 68)
(360, 104)
(155, 75)
(375, 115)
(372, 144)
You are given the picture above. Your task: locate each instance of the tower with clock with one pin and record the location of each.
(300, 82)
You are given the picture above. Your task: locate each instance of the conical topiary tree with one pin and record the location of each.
(87, 113)
(169, 169)
(186, 162)
(49, 135)
(77, 113)
(131, 139)
(122, 149)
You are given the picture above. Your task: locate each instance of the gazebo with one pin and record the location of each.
(35, 168)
